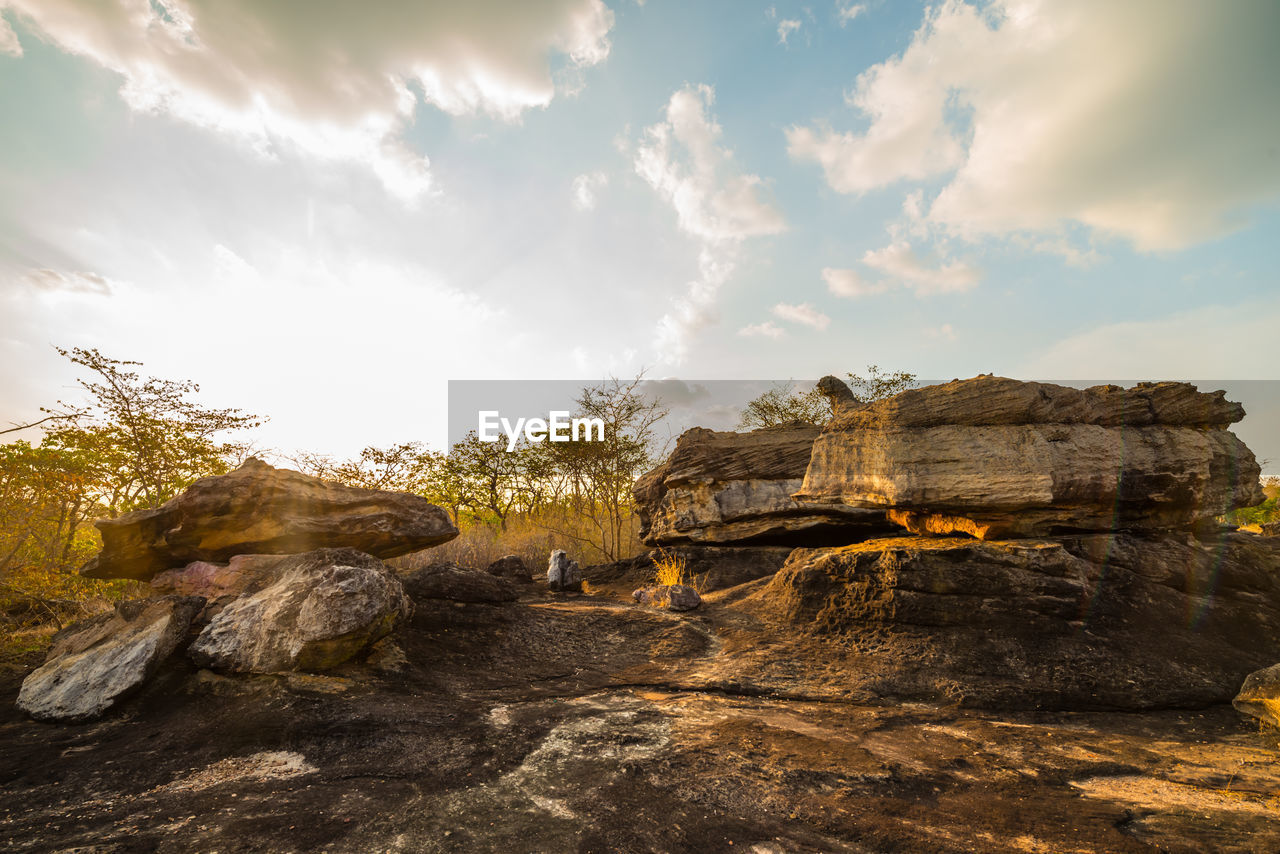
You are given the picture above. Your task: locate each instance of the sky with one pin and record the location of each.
(323, 212)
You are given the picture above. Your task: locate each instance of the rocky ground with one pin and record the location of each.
(583, 722)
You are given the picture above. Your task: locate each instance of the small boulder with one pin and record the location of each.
(512, 567)
(323, 607)
(673, 597)
(94, 664)
(1259, 697)
(458, 584)
(215, 580)
(563, 573)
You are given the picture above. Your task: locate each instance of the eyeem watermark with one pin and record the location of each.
(559, 427)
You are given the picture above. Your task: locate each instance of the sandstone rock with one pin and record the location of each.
(458, 584)
(724, 488)
(1086, 622)
(512, 567)
(673, 597)
(1259, 697)
(563, 573)
(322, 608)
(1269, 529)
(994, 457)
(838, 394)
(215, 580)
(257, 509)
(707, 567)
(94, 664)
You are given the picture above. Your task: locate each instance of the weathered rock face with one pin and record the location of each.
(673, 597)
(458, 584)
(512, 567)
(94, 664)
(1259, 697)
(321, 608)
(1093, 621)
(723, 487)
(708, 567)
(563, 573)
(995, 457)
(258, 509)
(215, 580)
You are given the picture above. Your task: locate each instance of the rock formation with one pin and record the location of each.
(994, 457)
(673, 597)
(257, 509)
(1259, 696)
(216, 580)
(321, 609)
(95, 663)
(734, 488)
(563, 573)
(1089, 621)
(708, 567)
(458, 584)
(512, 567)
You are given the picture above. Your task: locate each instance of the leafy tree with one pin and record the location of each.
(784, 403)
(877, 385)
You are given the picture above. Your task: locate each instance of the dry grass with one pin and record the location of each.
(673, 568)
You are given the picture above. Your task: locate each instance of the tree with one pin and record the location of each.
(784, 403)
(599, 474)
(877, 386)
(157, 439)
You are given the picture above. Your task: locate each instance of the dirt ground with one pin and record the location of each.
(582, 723)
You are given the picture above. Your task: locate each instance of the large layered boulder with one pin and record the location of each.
(96, 663)
(455, 583)
(721, 488)
(1084, 622)
(994, 457)
(319, 609)
(258, 509)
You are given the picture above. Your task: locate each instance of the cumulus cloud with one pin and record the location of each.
(9, 44)
(902, 263)
(851, 283)
(684, 159)
(335, 79)
(585, 188)
(57, 281)
(804, 313)
(768, 329)
(1152, 120)
(846, 11)
(785, 28)
(901, 266)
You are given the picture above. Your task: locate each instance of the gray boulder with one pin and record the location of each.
(94, 664)
(563, 573)
(320, 609)
(458, 584)
(512, 567)
(1259, 697)
(673, 597)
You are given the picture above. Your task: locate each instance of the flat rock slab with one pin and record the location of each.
(722, 488)
(997, 458)
(258, 509)
(94, 664)
(324, 607)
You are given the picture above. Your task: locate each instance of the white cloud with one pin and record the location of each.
(803, 313)
(55, 281)
(785, 28)
(899, 261)
(1043, 114)
(847, 11)
(9, 44)
(850, 283)
(333, 79)
(768, 329)
(684, 160)
(944, 332)
(585, 187)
